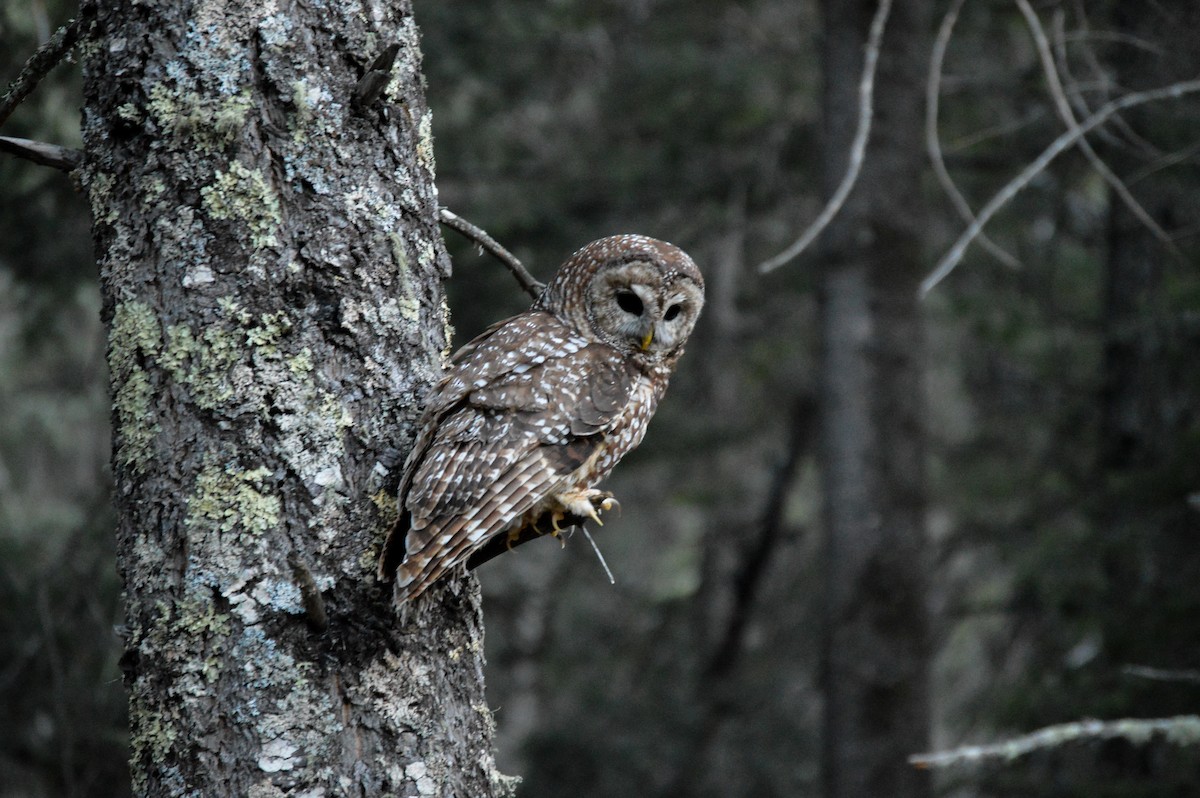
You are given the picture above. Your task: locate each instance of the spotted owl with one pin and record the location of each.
(539, 408)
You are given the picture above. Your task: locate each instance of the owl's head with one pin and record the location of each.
(637, 294)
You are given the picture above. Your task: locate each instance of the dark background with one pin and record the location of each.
(1063, 402)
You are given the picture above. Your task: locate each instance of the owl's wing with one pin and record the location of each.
(519, 411)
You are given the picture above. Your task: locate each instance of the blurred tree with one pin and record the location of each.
(60, 692)
(876, 646)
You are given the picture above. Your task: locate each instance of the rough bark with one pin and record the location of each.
(271, 269)
(875, 653)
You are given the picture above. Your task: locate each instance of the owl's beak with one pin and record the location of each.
(646, 340)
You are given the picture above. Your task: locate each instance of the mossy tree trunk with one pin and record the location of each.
(271, 269)
(876, 649)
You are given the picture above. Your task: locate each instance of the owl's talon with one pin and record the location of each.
(513, 536)
(610, 503)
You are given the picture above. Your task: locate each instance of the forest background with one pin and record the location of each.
(1061, 429)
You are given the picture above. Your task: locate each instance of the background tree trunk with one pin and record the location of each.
(876, 645)
(271, 269)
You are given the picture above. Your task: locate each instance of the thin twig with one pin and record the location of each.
(952, 258)
(973, 139)
(1107, 83)
(1119, 38)
(933, 142)
(1072, 85)
(41, 62)
(611, 579)
(39, 152)
(1163, 162)
(1181, 730)
(858, 148)
(1063, 106)
(480, 237)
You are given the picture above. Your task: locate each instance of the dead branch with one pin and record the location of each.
(480, 237)
(1188, 675)
(1180, 730)
(952, 258)
(858, 148)
(39, 64)
(1065, 112)
(41, 153)
(933, 144)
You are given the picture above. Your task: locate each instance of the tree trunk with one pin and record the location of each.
(271, 269)
(876, 644)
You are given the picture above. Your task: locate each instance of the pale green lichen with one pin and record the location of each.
(447, 329)
(425, 142)
(99, 189)
(410, 309)
(134, 338)
(129, 112)
(333, 408)
(407, 305)
(426, 255)
(133, 403)
(135, 332)
(225, 500)
(153, 737)
(266, 335)
(399, 253)
(243, 194)
(198, 617)
(301, 364)
(202, 364)
(304, 98)
(210, 122)
(205, 364)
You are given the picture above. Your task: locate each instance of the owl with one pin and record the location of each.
(538, 409)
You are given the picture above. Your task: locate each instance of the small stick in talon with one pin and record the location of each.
(611, 580)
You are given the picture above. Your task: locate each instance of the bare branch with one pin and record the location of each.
(39, 152)
(41, 62)
(1063, 106)
(1163, 162)
(977, 137)
(952, 258)
(858, 148)
(933, 143)
(1180, 730)
(1116, 36)
(1105, 83)
(1162, 674)
(480, 237)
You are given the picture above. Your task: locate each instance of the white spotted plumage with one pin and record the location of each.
(540, 408)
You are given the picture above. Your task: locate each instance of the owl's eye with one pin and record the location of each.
(629, 302)
(672, 312)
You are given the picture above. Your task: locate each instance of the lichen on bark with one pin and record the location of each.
(272, 267)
